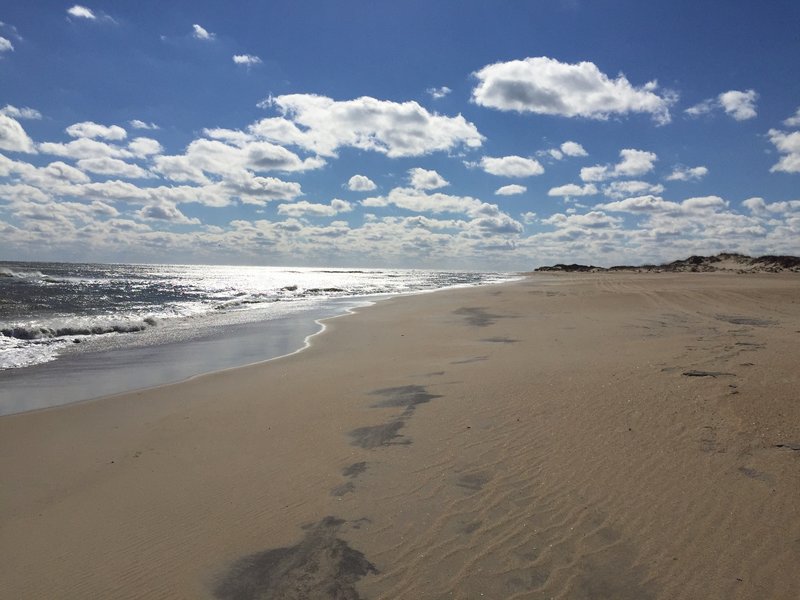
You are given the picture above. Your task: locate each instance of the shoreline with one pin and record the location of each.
(531, 439)
(67, 375)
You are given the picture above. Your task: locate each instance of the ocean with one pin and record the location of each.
(71, 332)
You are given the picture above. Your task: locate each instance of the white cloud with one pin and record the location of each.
(20, 113)
(592, 220)
(423, 179)
(138, 124)
(13, 137)
(739, 105)
(91, 130)
(570, 190)
(511, 190)
(83, 148)
(702, 108)
(794, 120)
(634, 163)
(309, 209)
(511, 166)
(626, 189)
(179, 168)
(438, 93)
(681, 173)
(6, 45)
(703, 204)
(251, 189)
(361, 183)
(419, 201)
(248, 60)
(736, 104)
(787, 144)
(322, 125)
(759, 206)
(573, 149)
(529, 218)
(142, 147)
(113, 167)
(544, 85)
(655, 204)
(200, 33)
(641, 204)
(81, 12)
(166, 211)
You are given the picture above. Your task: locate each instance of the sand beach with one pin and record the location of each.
(574, 436)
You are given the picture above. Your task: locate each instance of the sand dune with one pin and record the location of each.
(568, 436)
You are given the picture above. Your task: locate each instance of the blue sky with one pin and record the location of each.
(463, 134)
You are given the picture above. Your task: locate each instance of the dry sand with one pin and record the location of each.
(574, 436)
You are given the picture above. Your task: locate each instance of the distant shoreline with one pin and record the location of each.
(727, 262)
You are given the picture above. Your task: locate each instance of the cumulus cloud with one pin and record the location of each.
(6, 45)
(248, 60)
(592, 220)
(736, 104)
(252, 189)
(309, 209)
(510, 190)
(625, 189)
(438, 92)
(138, 124)
(200, 33)
(323, 125)
(788, 145)
(570, 190)
(794, 120)
(681, 173)
(544, 85)
(166, 211)
(20, 113)
(142, 147)
(634, 163)
(81, 12)
(511, 166)
(573, 149)
(13, 137)
(83, 148)
(656, 204)
(91, 130)
(759, 206)
(113, 167)
(424, 179)
(360, 183)
(739, 105)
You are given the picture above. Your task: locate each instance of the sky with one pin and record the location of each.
(464, 134)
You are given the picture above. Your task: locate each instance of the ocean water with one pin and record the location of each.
(72, 332)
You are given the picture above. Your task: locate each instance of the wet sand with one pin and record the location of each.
(569, 436)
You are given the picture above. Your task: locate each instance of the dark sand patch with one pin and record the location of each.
(320, 566)
(406, 396)
(471, 527)
(343, 489)
(611, 574)
(794, 446)
(374, 436)
(738, 320)
(478, 316)
(355, 469)
(500, 340)
(694, 373)
(473, 482)
(469, 360)
(756, 474)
